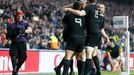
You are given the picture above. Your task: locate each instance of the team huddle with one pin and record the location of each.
(83, 31)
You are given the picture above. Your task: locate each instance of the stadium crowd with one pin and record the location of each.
(45, 18)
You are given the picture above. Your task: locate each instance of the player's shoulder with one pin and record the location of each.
(71, 16)
(89, 9)
(67, 15)
(92, 6)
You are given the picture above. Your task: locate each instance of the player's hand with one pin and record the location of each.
(108, 41)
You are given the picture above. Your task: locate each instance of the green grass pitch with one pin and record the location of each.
(103, 73)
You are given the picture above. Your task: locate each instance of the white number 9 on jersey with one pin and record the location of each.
(78, 20)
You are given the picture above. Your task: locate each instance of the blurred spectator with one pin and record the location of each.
(54, 43)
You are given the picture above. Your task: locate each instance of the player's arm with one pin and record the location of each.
(10, 32)
(68, 6)
(105, 35)
(121, 56)
(110, 60)
(75, 12)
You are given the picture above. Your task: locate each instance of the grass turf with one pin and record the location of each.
(103, 73)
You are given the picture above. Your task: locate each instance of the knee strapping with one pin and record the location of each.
(95, 51)
(83, 56)
(89, 52)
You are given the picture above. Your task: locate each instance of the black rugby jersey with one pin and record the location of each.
(91, 19)
(73, 25)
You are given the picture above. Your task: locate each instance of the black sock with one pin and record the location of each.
(97, 63)
(66, 67)
(80, 66)
(88, 66)
(93, 71)
(61, 63)
(83, 67)
(71, 65)
(14, 63)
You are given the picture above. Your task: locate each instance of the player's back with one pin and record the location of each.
(91, 24)
(114, 52)
(74, 25)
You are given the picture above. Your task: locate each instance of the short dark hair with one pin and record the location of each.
(112, 40)
(76, 5)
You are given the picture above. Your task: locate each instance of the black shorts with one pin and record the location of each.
(18, 50)
(75, 43)
(93, 40)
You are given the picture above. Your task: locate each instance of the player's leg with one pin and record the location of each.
(71, 45)
(13, 60)
(80, 64)
(93, 70)
(106, 62)
(71, 66)
(89, 62)
(96, 61)
(80, 56)
(97, 44)
(58, 68)
(122, 58)
(13, 54)
(61, 63)
(22, 55)
(68, 56)
(83, 59)
(121, 63)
